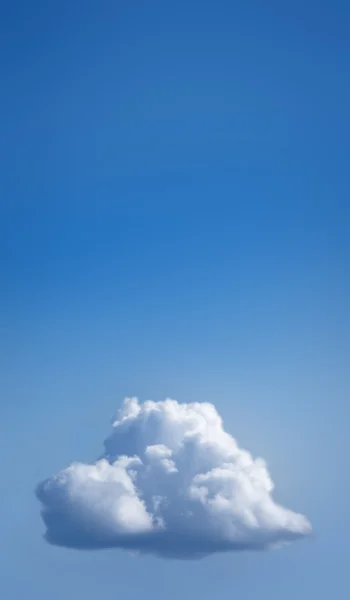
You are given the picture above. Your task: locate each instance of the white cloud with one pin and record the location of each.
(171, 482)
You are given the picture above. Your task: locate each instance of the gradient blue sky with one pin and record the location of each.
(175, 221)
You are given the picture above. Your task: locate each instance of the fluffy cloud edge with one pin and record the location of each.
(172, 483)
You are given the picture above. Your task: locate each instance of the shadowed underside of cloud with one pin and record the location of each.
(171, 482)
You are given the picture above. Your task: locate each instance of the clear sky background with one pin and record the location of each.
(175, 222)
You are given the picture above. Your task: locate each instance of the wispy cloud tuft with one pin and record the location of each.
(171, 482)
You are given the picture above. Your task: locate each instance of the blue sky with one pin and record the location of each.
(175, 222)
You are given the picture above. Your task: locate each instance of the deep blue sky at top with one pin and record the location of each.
(174, 220)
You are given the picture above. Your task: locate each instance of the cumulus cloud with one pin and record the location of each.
(171, 482)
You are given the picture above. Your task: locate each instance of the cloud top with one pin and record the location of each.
(171, 482)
